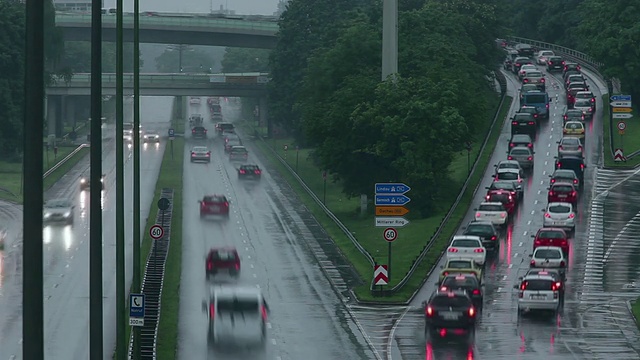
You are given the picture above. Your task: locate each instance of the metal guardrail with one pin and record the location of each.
(152, 284)
(241, 79)
(416, 263)
(326, 210)
(64, 160)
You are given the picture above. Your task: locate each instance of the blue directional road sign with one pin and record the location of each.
(392, 188)
(172, 133)
(621, 98)
(136, 305)
(391, 200)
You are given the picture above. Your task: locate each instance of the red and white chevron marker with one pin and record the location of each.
(618, 155)
(381, 275)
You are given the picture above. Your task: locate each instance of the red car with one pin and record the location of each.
(223, 259)
(563, 192)
(503, 196)
(551, 237)
(214, 205)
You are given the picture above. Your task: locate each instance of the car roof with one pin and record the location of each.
(490, 203)
(238, 147)
(562, 184)
(466, 237)
(508, 170)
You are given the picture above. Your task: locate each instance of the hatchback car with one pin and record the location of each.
(515, 190)
(574, 128)
(504, 197)
(200, 153)
(467, 246)
(522, 123)
(223, 260)
(521, 140)
(555, 63)
(199, 132)
(586, 106)
(449, 310)
(493, 211)
(586, 95)
(551, 236)
(541, 59)
(524, 69)
(565, 176)
(570, 145)
(513, 176)
(519, 62)
(548, 257)
(538, 292)
(485, 231)
(571, 162)
(214, 205)
(523, 155)
(468, 282)
(560, 215)
(573, 115)
(238, 153)
(575, 78)
(530, 110)
(534, 77)
(460, 266)
(563, 192)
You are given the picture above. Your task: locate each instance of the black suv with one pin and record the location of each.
(449, 310)
(530, 110)
(518, 62)
(555, 63)
(249, 172)
(199, 132)
(466, 282)
(523, 123)
(486, 231)
(525, 50)
(572, 162)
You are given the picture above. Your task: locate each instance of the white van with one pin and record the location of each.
(237, 316)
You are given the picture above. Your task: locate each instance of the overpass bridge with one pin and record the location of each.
(192, 29)
(232, 85)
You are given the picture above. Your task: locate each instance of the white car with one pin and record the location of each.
(541, 59)
(560, 215)
(525, 68)
(151, 136)
(493, 212)
(539, 291)
(548, 257)
(194, 101)
(58, 211)
(534, 77)
(467, 246)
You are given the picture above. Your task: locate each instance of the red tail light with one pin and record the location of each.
(478, 214)
(242, 171)
(208, 153)
(479, 250)
(530, 145)
(212, 311)
(193, 154)
(547, 215)
(574, 193)
(533, 263)
(560, 147)
(572, 215)
(557, 285)
(514, 123)
(593, 100)
(558, 164)
(443, 288)
(494, 237)
(263, 311)
(226, 203)
(537, 242)
(563, 243)
(503, 215)
(550, 62)
(476, 292)
(562, 264)
(453, 250)
(580, 148)
(532, 122)
(486, 197)
(553, 180)
(526, 80)
(530, 158)
(237, 266)
(581, 166)
(542, 80)
(445, 273)
(512, 144)
(193, 131)
(523, 286)
(510, 197)
(209, 265)
(509, 157)
(258, 172)
(429, 311)
(575, 181)
(472, 311)
(550, 193)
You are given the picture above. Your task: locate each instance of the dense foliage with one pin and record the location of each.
(77, 57)
(326, 88)
(609, 31)
(183, 58)
(12, 61)
(239, 60)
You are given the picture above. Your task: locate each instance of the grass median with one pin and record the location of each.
(629, 141)
(411, 239)
(635, 310)
(11, 172)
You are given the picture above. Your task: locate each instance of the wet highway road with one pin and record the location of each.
(66, 264)
(500, 333)
(274, 237)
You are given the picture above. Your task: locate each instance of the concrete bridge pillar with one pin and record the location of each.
(70, 110)
(263, 112)
(54, 123)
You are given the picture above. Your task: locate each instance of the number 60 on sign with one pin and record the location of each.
(156, 232)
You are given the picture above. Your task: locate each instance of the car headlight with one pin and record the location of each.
(67, 214)
(46, 215)
(82, 181)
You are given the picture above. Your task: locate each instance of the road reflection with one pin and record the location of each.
(58, 235)
(84, 203)
(148, 146)
(1, 268)
(448, 351)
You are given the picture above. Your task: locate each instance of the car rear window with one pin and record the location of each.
(520, 152)
(508, 166)
(575, 113)
(559, 208)
(214, 199)
(465, 243)
(453, 301)
(479, 229)
(224, 255)
(570, 141)
(562, 188)
(537, 285)
(200, 149)
(249, 167)
(498, 198)
(234, 142)
(574, 126)
(508, 176)
(535, 98)
(502, 185)
(551, 235)
(239, 150)
(536, 74)
(460, 281)
(238, 305)
(491, 207)
(547, 254)
(459, 264)
(582, 102)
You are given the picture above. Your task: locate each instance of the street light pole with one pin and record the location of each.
(32, 283)
(95, 183)
(121, 343)
(136, 166)
(180, 58)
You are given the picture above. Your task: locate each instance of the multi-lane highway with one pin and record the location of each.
(66, 249)
(500, 333)
(273, 235)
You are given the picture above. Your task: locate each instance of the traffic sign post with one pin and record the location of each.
(618, 155)
(136, 309)
(156, 232)
(620, 98)
(380, 275)
(390, 199)
(163, 205)
(621, 127)
(621, 108)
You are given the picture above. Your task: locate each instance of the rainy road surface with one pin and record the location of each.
(278, 243)
(583, 329)
(66, 259)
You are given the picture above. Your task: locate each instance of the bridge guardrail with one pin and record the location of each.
(260, 79)
(64, 160)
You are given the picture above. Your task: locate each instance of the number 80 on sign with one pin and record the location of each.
(390, 234)
(156, 232)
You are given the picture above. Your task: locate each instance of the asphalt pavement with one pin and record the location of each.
(278, 243)
(66, 259)
(501, 333)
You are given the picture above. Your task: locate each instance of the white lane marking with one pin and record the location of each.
(533, 212)
(251, 265)
(544, 172)
(520, 243)
(525, 233)
(547, 154)
(510, 266)
(529, 222)
(620, 235)
(255, 276)
(545, 163)
(515, 255)
(539, 192)
(273, 341)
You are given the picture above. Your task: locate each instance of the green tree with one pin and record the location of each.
(239, 60)
(77, 57)
(184, 58)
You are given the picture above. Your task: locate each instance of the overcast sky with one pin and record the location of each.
(243, 7)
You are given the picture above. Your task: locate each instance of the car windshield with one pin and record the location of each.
(238, 305)
(454, 282)
(508, 175)
(58, 203)
(559, 208)
(547, 254)
(562, 188)
(467, 243)
(479, 229)
(491, 207)
(450, 301)
(459, 264)
(535, 99)
(582, 102)
(570, 141)
(551, 234)
(574, 126)
(537, 285)
(520, 151)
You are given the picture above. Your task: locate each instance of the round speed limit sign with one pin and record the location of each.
(390, 234)
(156, 232)
(622, 125)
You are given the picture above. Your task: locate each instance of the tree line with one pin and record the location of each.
(326, 89)
(605, 30)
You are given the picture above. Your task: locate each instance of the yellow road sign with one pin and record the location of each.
(621, 132)
(622, 110)
(391, 210)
